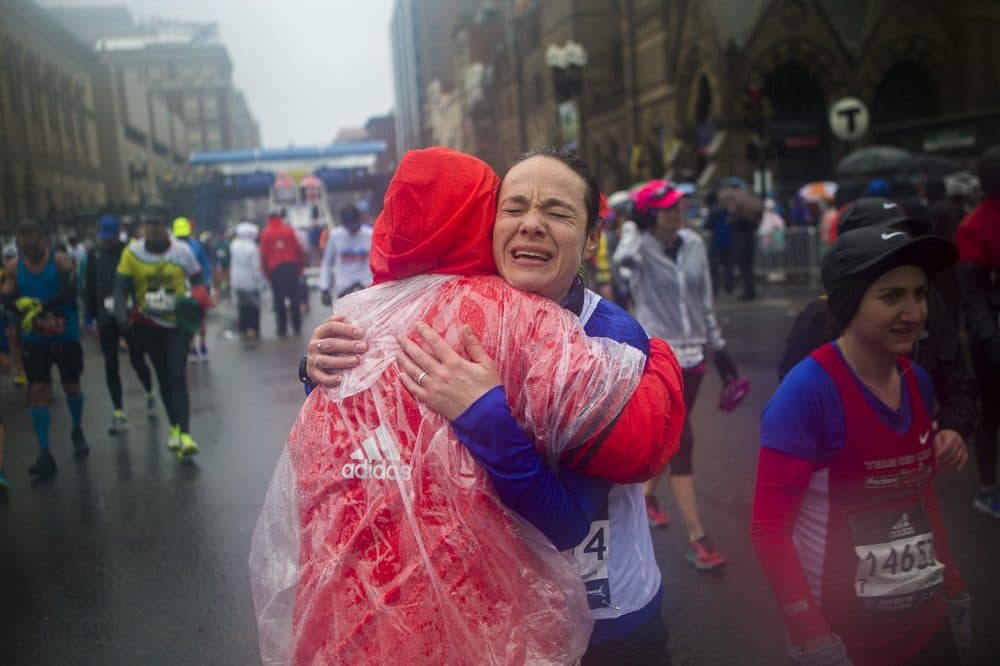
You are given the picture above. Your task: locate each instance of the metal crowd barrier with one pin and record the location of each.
(792, 255)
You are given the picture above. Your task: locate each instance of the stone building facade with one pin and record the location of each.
(179, 62)
(49, 159)
(666, 89)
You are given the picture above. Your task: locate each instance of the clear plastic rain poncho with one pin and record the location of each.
(381, 541)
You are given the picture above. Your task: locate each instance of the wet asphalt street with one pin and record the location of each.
(131, 557)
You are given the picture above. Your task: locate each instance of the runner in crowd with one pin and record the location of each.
(182, 231)
(672, 289)
(938, 349)
(40, 292)
(155, 273)
(247, 279)
(347, 250)
(552, 223)
(99, 288)
(845, 520)
(548, 204)
(283, 259)
(978, 240)
(218, 245)
(13, 336)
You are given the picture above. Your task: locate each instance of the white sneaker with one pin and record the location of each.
(119, 423)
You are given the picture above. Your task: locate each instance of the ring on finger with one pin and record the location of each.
(420, 379)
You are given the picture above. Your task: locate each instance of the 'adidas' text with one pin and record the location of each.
(377, 458)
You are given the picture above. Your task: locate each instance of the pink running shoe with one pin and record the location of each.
(733, 393)
(704, 556)
(656, 516)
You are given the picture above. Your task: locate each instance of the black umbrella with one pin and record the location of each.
(922, 164)
(872, 160)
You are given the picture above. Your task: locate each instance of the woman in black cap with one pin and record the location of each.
(846, 468)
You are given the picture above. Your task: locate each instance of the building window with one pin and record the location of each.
(191, 108)
(210, 107)
(31, 79)
(194, 139)
(213, 138)
(156, 73)
(13, 78)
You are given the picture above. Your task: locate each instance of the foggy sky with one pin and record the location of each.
(307, 67)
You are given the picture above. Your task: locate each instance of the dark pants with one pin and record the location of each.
(285, 287)
(109, 334)
(682, 464)
(720, 261)
(248, 307)
(647, 645)
(988, 376)
(744, 241)
(167, 349)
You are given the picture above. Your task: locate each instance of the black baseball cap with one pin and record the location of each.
(880, 212)
(872, 251)
(154, 215)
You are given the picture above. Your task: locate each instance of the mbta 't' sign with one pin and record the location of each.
(849, 119)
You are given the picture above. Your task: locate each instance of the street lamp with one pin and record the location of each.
(567, 63)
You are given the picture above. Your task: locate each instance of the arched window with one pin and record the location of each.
(907, 91)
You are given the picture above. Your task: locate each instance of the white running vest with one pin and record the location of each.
(616, 560)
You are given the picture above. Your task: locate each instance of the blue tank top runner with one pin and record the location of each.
(57, 325)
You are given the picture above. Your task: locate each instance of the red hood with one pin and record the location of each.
(275, 221)
(438, 217)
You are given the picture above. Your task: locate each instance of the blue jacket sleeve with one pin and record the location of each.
(561, 506)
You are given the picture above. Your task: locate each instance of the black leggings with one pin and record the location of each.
(682, 463)
(109, 333)
(646, 645)
(167, 349)
(285, 285)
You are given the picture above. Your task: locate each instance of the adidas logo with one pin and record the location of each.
(377, 458)
(902, 528)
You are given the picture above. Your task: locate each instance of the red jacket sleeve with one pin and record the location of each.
(645, 435)
(782, 480)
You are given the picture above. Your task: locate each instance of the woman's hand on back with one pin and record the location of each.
(441, 378)
(335, 346)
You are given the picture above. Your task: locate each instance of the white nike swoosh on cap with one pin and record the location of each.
(888, 206)
(894, 233)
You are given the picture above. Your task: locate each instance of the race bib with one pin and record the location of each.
(49, 325)
(109, 303)
(592, 561)
(897, 567)
(160, 302)
(689, 356)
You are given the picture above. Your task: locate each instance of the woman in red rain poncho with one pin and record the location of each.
(381, 541)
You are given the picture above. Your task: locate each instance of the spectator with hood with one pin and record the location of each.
(247, 279)
(283, 260)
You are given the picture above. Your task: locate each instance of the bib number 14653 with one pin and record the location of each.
(898, 573)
